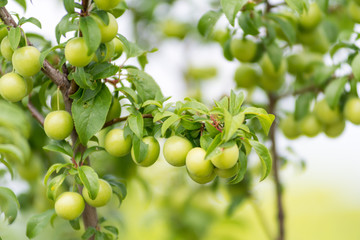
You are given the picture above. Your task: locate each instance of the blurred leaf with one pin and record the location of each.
(32, 20)
(250, 23)
(9, 204)
(7, 165)
(285, 27)
(334, 90)
(231, 8)
(355, 66)
(3, 3)
(37, 223)
(207, 22)
(302, 105)
(75, 224)
(298, 5)
(264, 156)
(90, 180)
(22, 3)
(275, 54)
(131, 49)
(89, 232)
(145, 85)
(61, 147)
(14, 151)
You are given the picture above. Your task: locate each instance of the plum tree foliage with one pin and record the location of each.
(101, 106)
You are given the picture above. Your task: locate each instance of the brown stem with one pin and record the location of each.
(276, 162)
(122, 119)
(35, 113)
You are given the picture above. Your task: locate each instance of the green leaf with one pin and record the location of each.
(264, 156)
(144, 84)
(231, 8)
(103, 16)
(32, 20)
(7, 165)
(302, 105)
(14, 37)
(285, 27)
(75, 224)
(13, 117)
(250, 23)
(22, 3)
(55, 167)
(46, 52)
(235, 102)
(91, 150)
(14, 151)
(69, 6)
(9, 204)
(355, 67)
(130, 94)
(231, 124)
(169, 122)
(334, 90)
(136, 124)
(90, 114)
(66, 24)
(90, 231)
(298, 5)
(3, 3)
(103, 70)
(82, 78)
(243, 166)
(91, 33)
(207, 22)
(61, 147)
(275, 55)
(193, 105)
(131, 49)
(37, 223)
(118, 186)
(90, 179)
(54, 185)
(140, 149)
(213, 149)
(265, 119)
(161, 115)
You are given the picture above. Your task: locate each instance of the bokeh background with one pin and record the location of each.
(321, 180)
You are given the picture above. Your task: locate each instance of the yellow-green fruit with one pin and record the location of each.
(227, 158)
(316, 40)
(246, 76)
(352, 110)
(69, 205)
(109, 31)
(3, 32)
(325, 114)
(269, 69)
(228, 173)
(152, 153)
(103, 196)
(221, 36)
(196, 164)
(334, 130)
(354, 11)
(175, 150)
(311, 19)
(202, 73)
(290, 127)
(118, 48)
(29, 85)
(172, 28)
(296, 63)
(76, 52)
(58, 125)
(13, 87)
(310, 126)
(108, 54)
(106, 4)
(114, 111)
(202, 180)
(270, 84)
(6, 49)
(243, 49)
(26, 61)
(54, 101)
(30, 170)
(115, 143)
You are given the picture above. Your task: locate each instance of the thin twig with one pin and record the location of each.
(35, 113)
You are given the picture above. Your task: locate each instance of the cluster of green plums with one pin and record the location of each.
(257, 69)
(70, 205)
(76, 49)
(178, 151)
(14, 86)
(323, 118)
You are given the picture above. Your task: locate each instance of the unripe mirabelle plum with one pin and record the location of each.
(352, 110)
(76, 52)
(243, 49)
(58, 125)
(13, 87)
(175, 150)
(106, 4)
(246, 76)
(227, 158)
(115, 143)
(6, 49)
(311, 19)
(118, 48)
(354, 10)
(196, 164)
(228, 173)
(26, 61)
(103, 196)
(202, 180)
(335, 129)
(290, 127)
(325, 114)
(109, 31)
(69, 205)
(152, 153)
(310, 126)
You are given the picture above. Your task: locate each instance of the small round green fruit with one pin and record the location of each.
(13, 87)
(103, 196)
(116, 144)
(152, 153)
(69, 205)
(58, 125)
(175, 150)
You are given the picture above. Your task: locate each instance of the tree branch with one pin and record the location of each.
(35, 113)
(276, 162)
